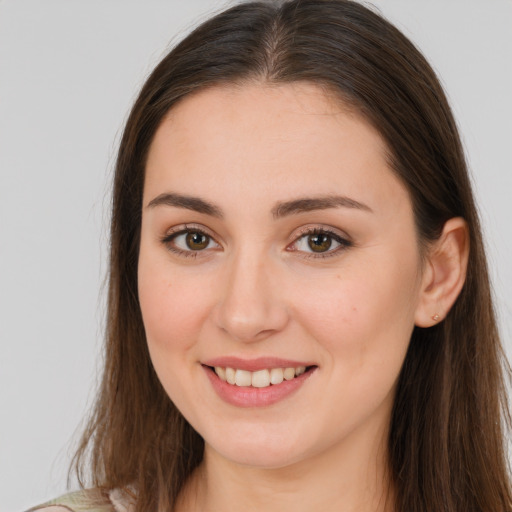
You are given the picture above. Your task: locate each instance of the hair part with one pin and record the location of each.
(446, 450)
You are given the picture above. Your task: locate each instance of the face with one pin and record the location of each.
(278, 247)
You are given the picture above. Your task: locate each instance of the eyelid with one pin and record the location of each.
(339, 236)
(319, 228)
(181, 229)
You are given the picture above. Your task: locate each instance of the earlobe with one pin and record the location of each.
(444, 273)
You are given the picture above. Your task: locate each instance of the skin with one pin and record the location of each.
(257, 289)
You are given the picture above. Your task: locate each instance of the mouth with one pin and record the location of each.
(259, 382)
(263, 378)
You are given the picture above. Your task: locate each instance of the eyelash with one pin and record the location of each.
(343, 242)
(168, 239)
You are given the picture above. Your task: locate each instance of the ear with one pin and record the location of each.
(444, 273)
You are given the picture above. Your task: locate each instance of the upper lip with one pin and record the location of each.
(253, 365)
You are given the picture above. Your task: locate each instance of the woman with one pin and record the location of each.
(299, 307)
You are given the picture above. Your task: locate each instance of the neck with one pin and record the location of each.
(347, 478)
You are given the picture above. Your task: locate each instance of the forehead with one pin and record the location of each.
(260, 139)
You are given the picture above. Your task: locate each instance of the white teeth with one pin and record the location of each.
(300, 370)
(230, 375)
(243, 378)
(289, 373)
(260, 378)
(276, 376)
(221, 372)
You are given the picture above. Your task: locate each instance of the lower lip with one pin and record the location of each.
(247, 396)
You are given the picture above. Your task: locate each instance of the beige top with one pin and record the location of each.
(91, 500)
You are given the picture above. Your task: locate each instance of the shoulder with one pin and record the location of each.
(90, 500)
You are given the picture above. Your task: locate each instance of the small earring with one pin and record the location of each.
(435, 317)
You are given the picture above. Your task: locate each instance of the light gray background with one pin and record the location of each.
(69, 71)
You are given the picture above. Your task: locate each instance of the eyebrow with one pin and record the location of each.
(316, 203)
(188, 202)
(282, 209)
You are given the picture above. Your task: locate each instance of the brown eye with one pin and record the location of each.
(319, 242)
(196, 241)
(190, 242)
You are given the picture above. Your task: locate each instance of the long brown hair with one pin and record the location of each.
(446, 445)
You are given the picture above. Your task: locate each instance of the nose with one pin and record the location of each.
(250, 307)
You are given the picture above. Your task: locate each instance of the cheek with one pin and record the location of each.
(172, 306)
(365, 313)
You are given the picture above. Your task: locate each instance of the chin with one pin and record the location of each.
(270, 451)
(262, 458)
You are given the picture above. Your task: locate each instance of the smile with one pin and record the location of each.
(258, 379)
(259, 383)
